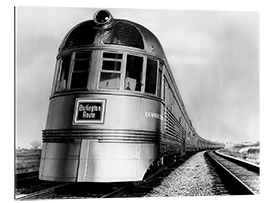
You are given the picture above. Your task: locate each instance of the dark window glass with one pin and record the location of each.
(133, 80)
(79, 80)
(66, 66)
(82, 65)
(151, 76)
(83, 55)
(81, 68)
(123, 33)
(63, 77)
(109, 81)
(82, 34)
(56, 75)
(159, 83)
(112, 55)
(111, 65)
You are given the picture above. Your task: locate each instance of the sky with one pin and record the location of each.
(214, 56)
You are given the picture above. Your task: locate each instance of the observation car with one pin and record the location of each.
(114, 109)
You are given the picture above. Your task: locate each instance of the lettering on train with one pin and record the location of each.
(153, 115)
(89, 108)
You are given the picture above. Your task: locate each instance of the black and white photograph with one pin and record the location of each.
(136, 103)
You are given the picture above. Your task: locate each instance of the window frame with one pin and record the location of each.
(56, 75)
(142, 72)
(145, 67)
(100, 70)
(72, 63)
(160, 78)
(72, 66)
(159, 71)
(95, 66)
(59, 73)
(70, 70)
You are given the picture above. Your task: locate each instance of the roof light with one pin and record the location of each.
(102, 17)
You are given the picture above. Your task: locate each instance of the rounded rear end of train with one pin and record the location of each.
(105, 112)
(115, 108)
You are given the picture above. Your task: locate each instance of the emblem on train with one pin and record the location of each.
(89, 111)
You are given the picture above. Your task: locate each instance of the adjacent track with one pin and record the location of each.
(21, 177)
(42, 193)
(88, 190)
(240, 176)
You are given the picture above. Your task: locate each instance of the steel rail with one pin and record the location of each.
(115, 193)
(248, 165)
(243, 188)
(41, 192)
(20, 177)
(120, 191)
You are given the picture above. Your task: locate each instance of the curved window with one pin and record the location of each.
(110, 71)
(73, 74)
(81, 34)
(80, 72)
(62, 78)
(159, 82)
(133, 80)
(151, 76)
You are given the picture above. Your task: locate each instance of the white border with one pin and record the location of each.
(8, 50)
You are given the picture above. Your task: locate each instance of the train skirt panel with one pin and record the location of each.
(92, 161)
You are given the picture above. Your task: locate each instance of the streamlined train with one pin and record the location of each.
(114, 108)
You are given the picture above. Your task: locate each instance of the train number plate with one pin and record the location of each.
(89, 111)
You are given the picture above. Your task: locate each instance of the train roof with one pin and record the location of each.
(121, 32)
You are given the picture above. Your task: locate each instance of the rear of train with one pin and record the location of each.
(105, 113)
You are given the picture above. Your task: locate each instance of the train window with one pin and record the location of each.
(165, 90)
(159, 87)
(63, 74)
(123, 33)
(151, 76)
(112, 55)
(111, 65)
(133, 80)
(81, 68)
(111, 71)
(109, 81)
(81, 65)
(84, 33)
(56, 75)
(79, 80)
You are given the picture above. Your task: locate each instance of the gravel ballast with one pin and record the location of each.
(194, 177)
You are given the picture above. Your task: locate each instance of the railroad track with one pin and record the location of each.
(68, 190)
(99, 190)
(133, 185)
(87, 190)
(241, 177)
(116, 193)
(41, 193)
(21, 177)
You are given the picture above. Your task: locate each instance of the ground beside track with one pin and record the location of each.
(195, 177)
(250, 154)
